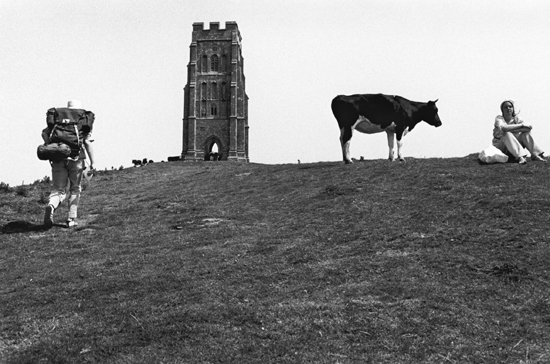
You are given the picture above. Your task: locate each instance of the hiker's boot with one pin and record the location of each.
(48, 216)
(71, 223)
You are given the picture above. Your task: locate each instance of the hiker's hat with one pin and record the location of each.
(74, 104)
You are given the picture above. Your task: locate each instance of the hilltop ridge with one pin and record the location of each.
(292, 263)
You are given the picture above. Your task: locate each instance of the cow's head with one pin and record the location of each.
(429, 114)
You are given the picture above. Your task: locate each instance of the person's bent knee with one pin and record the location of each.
(509, 136)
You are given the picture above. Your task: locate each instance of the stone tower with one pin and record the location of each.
(215, 112)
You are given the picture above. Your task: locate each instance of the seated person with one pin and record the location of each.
(511, 135)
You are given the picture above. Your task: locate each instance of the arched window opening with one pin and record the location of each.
(214, 63)
(213, 110)
(203, 108)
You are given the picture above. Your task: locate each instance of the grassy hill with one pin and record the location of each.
(428, 261)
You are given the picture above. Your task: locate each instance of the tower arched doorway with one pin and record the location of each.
(213, 149)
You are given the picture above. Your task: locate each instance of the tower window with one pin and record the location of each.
(214, 63)
(204, 63)
(224, 63)
(214, 91)
(213, 110)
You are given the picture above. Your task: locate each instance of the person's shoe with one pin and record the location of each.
(538, 158)
(522, 160)
(48, 216)
(71, 223)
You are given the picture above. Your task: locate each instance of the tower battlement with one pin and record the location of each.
(229, 25)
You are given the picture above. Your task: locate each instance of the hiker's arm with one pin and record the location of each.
(88, 145)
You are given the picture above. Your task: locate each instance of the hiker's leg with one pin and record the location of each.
(528, 142)
(512, 145)
(59, 182)
(75, 177)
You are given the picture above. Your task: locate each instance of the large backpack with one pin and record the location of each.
(69, 126)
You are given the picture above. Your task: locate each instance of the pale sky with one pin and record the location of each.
(126, 60)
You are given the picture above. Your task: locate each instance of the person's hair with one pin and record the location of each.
(514, 113)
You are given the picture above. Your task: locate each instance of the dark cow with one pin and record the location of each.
(375, 113)
(138, 163)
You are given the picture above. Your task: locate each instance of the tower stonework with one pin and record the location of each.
(215, 111)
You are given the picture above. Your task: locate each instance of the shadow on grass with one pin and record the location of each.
(20, 226)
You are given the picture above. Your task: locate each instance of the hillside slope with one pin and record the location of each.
(428, 261)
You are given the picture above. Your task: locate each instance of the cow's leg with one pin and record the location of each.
(345, 138)
(391, 137)
(400, 145)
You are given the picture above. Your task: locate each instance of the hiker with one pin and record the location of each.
(511, 135)
(72, 126)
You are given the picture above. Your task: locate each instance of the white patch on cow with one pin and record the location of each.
(399, 149)
(345, 146)
(364, 125)
(391, 138)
